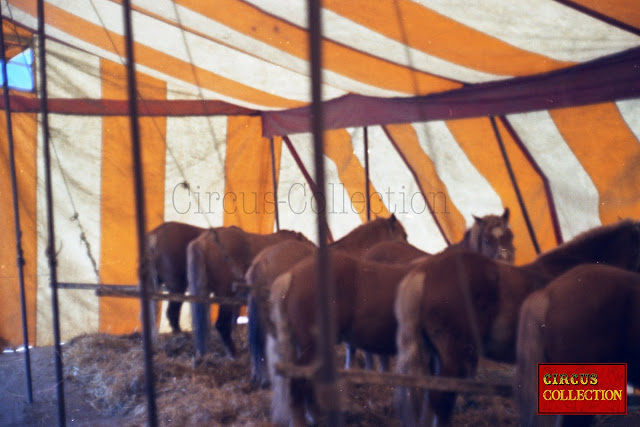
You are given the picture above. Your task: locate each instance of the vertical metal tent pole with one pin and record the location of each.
(16, 216)
(326, 380)
(51, 252)
(514, 182)
(274, 180)
(366, 172)
(152, 418)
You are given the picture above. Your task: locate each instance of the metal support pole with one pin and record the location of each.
(516, 188)
(16, 218)
(326, 381)
(366, 172)
(274, 181)
(51, 253)
(152, 418)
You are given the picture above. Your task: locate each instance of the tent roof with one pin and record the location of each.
(254, 53)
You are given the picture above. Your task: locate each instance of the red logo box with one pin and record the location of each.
(582, 389)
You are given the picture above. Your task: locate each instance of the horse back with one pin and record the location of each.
(593, 316)
(393, 251)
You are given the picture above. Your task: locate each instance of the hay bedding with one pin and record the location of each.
(217, 391)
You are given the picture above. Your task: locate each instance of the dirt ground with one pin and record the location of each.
(104, 377)
(16, 411)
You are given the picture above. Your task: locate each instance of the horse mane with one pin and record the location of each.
(588, 239)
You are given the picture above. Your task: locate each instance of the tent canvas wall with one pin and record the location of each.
(217, 79)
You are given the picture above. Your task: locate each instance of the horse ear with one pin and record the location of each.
(478, 219)
(505, 215)
(393, 218)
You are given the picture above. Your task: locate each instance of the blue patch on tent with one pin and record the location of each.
(20, 71)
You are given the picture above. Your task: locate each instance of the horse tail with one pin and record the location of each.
(530, 352)
(198, 286)
(412, 357)
(279, 349)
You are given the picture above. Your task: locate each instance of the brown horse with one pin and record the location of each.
(363, 307)
(165, 261)
(489, 235)
(276, 259)
(588, 315)
(458, 306)
(215, 260)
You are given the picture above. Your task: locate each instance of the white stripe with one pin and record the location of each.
(340, 215)
(349, 33)
(294, 196)
(470, 192)
(31, 22)
(72, 73)
(630, 111)
(201, 164)
(574, 194)
(222, 60)
(78, 143)
(398, 189)
(193, 21)
(542, 26)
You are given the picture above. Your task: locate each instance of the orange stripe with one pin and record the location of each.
(477, 139)
(438, 35)
(118, 257)
(248, 200)
(154, 59)
(16, 39)
(448, 216)
(25, 137)
(289, 38)
(626, 11)
(338, 147)
(609, 152)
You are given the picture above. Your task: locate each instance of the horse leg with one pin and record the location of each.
(302, 393)
(224, 325)
(173, 307)
(451, 357)
(259, 373)
(173, 314)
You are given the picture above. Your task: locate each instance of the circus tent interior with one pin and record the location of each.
(445, 109)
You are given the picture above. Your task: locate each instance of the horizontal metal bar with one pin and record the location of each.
(358, 376)
(94, 286)
(128, 293)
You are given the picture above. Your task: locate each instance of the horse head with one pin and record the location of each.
(492, 236)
